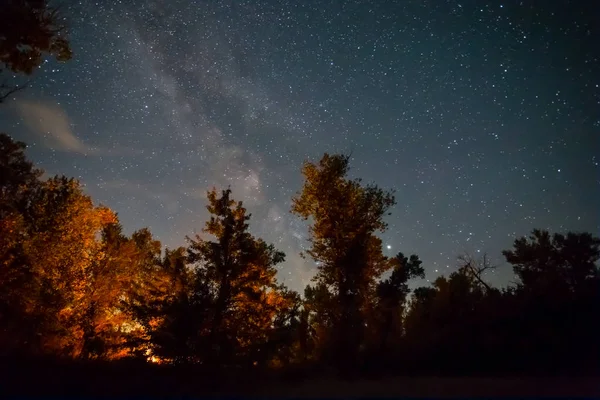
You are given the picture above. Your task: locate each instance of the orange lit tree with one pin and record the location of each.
(67, 273)
(57, 247)
(228, 314)
(18, 178)
(345, 216)
(128, 273)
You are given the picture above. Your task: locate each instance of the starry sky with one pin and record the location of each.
(483, 115)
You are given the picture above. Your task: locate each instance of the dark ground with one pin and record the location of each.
(444, 387)
(42, 378)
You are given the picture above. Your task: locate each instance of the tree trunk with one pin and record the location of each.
(214, 349)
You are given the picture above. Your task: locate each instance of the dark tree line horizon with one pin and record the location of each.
(73, 286)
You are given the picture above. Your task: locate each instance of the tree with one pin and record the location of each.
(279, 329)
(551, 262)
(237, 273)
(345, 217)
(443, 322)
(105, 285)
(127, 273)
(175, 324)
(69, 278)
(18, 179)
(17, 176)
(475, 269)
(47, 274)
(391, 297)
(558, 295)
(316, 334)
(29, 29)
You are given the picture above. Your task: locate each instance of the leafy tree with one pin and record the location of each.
(460, 316)
(57, 248)
(392, 295)
(318, 318)
(284, 344)
(17, 176)
(176, 324)
(174, 262)
(64, 291)
(558, 295)
(273, 339)
(345, 217)
(127, 273)
(105, 285)
(28, 30)
(545, 262)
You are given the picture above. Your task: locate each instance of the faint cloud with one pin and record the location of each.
(50, 122)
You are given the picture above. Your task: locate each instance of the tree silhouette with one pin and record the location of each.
(176, 324)
(237, 270)
(74, 286)
(559, 291)
(545, 262)
(317, 322)
(443, 323)
(280, 344)
(29, 29)
(18, 177)
(345, 216)
(476, 269)
(391, 298)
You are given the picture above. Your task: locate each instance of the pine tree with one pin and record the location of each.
(238, 271)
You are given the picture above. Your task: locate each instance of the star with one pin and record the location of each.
(215, 96)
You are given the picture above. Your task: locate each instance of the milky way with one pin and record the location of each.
(483, 116)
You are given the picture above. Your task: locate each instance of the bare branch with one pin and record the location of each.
(7, 90)
(476, 268)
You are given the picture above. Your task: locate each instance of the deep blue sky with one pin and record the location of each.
(484, 116)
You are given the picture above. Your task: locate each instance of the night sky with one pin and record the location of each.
(484, 116)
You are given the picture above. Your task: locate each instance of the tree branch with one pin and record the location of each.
(8, 90)
(477, 268)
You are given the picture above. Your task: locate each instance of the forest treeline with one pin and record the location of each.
(74, 286)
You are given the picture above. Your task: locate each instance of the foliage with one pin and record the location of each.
(345, 217)
(392, 296)
(58, 248)
(73, 285)
(29, 29)
(558, 262)
(17, 175)
(233, 307)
